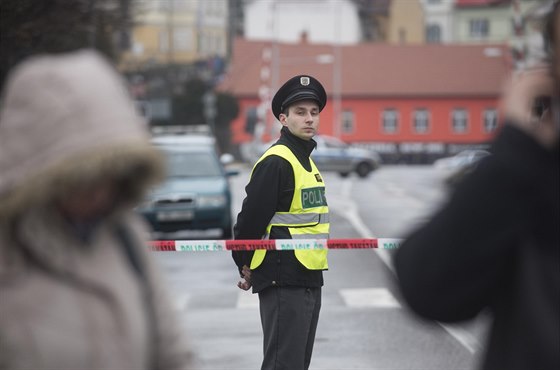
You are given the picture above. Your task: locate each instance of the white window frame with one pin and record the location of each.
(433, 33)
(415, 120)
(488, 126)
(384, 120)
(348, 121)
(479, 28)
(455, 120)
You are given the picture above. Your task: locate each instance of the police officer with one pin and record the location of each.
(286, 200)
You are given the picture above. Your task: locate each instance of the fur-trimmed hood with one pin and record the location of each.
(65, 120)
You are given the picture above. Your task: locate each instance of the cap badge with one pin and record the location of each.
(304, 81)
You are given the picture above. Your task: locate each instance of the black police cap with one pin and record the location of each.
(302, 87)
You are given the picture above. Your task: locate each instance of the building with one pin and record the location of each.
(177, 32)
(482, 21)
(374, 19)
(413, 102)
(327, 21)
(406, 22)
(438, 20)
(501, 21)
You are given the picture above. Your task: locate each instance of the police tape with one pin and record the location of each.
(276, 244)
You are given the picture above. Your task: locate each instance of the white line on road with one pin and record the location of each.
(369, 298)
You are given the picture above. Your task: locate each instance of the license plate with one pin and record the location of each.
(175, 215)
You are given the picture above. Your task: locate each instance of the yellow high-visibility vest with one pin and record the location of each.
(308, 217)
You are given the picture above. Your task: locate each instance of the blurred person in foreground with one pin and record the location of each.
(286, 200)
(78, 289)
(495, 245)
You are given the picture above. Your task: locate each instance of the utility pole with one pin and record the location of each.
(337, 78)
(210, 111)
(170, 32)
(518, 47)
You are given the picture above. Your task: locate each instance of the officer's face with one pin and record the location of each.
(302, 119)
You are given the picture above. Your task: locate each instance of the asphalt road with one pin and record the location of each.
(364, 324)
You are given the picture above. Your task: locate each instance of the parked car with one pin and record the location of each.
(461, 164)
(334, 155)
(196, 194)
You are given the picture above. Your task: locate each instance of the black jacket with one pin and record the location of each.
(495, 245)
(271, 190)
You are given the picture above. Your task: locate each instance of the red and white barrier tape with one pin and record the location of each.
(276, 244)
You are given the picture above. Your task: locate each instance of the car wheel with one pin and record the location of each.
(363, 169)
(344, 174)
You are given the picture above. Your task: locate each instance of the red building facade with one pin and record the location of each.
(410, 103)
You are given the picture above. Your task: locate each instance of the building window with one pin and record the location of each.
(215, 8)
(182, 39)
(490, 120)
(347, 121)
(421, 121)
(460, 121)
(433, 34)
(390, 121)
(479, 28)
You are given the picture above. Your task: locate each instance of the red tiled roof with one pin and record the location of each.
(378, 69)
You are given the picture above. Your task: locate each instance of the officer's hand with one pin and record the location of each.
(245, 282)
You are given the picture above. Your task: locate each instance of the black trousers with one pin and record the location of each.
(289, 317)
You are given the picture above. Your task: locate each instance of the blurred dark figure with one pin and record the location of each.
(77, 287)
(496, 244)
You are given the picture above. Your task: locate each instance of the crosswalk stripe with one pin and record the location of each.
(369, 298)
(352, 297)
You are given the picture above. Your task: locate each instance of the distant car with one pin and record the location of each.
(334, 155)
(185, 140)
(196, 194)
(461, 164)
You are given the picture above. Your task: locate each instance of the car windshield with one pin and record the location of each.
(192, 164)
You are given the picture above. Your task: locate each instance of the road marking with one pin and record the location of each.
(247, 300)
(463, 336)
(369, 298)
(348, 209)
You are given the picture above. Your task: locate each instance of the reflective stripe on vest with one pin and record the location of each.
(308, 217)
(305, 219)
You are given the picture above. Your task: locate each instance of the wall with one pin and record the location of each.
(406, 22)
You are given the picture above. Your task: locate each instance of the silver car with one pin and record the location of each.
(333, 154)
(461, 164)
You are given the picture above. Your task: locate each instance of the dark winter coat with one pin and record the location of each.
(85, 296)
(495, 246)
